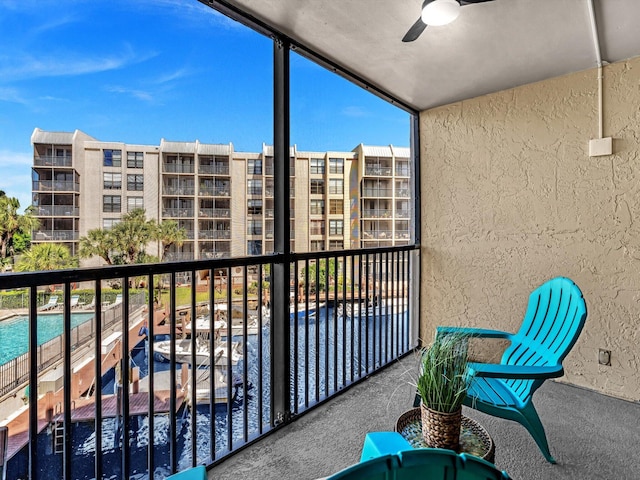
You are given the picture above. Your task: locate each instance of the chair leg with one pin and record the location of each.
(531, 421)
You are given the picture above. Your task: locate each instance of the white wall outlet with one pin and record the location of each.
(600, 146)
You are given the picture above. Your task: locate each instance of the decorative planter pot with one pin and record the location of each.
(441, 430)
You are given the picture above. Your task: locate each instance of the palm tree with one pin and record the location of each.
(11, 222)
(46, 256)
(131, 235)
(97, 243)
(169, 233)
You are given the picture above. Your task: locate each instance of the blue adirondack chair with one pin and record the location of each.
(553, 321)
(426, 463)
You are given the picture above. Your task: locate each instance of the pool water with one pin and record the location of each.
(14, 332)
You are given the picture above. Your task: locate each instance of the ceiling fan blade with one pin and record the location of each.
(415, 31)
(470, 2)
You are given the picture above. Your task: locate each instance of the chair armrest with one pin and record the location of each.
(474, 332)
(493, 370)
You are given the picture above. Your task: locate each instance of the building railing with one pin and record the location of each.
(55, 235)
(57, 211)
(215, 212)
(301, 329)
(177, 168)
(55, 186)
(180, 190)
(377, 213)
(214, 191)
(51, 161)
(213, 169)
(214, 234)
(377, 192)
(177, 212)
(376, 170)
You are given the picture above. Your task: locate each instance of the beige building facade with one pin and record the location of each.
(221, 197)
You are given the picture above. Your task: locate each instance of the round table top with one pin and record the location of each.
(474, 439)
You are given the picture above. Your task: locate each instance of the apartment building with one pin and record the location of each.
(221, 197)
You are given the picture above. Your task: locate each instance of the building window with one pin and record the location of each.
(336, 245)
(254, 247)
(336, 186)
(111, 203)
(254, 187)
(316, 227)
(134, 203)
(112, 158)
(108, 223)
(254, 167)
(135, 159)
(317, 186)
(317, 166)
(317, 245)
(316, 207)
(254, 227)
(112, 181)
(254, 207)
(336, 165)
(336, 206)
(135, 183)
(336, 227)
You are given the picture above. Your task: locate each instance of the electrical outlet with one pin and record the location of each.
(604, 357)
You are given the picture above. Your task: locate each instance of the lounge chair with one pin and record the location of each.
(553, 321)
(74, 301)
(53, 303)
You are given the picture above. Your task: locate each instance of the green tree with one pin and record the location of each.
(12, 223)
(169, 233)
(46, 256)
(125, 242)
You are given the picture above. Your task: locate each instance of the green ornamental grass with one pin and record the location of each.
(445, 376)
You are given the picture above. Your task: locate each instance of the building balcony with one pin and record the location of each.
(177, 212)
(213, 170)
(377, 192)
(187, 190)
(177, 168)
(214, 191)
(66, 401)
(377, 171)
(50, 161)
(55, 186)
(56, 211)
(376, 213)
(214, 234)
(54, 235)
(215, 212)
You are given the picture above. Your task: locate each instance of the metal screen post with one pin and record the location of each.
(280, 321)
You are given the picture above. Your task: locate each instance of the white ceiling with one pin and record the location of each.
(490, 47)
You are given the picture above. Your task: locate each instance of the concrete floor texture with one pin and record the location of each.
(592, 436)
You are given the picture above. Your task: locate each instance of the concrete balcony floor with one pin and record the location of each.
(592, 436)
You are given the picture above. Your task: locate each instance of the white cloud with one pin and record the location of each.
(8, 94)
(9, 158)
(139, 94)
(26, 66)
(354, 111)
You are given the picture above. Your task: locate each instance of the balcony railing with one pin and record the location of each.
(301, 329)
(377, 213)
(177, 212)
(55, 186)
(377, 171)
(214, 234)
(213, 169)
(57, 211)
(181, 190)
(214, 191)
(215, 212)
(50, 161)
(55, 235)
(377, 192)
(177, 168)
(376, 234)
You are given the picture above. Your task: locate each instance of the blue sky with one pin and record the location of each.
(137, 71)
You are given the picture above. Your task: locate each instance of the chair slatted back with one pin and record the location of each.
(553, 321)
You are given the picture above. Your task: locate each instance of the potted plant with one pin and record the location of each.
(442, 385)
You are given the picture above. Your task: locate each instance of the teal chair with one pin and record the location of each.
(195, 473)
(422, 463)
(552, 323)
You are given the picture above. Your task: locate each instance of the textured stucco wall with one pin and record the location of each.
(510, 198)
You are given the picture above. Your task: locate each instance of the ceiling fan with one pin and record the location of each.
(437, 12)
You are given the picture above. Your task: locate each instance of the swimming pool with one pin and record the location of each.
(14, 332)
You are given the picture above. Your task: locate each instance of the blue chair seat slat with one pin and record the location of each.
(491, 390)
